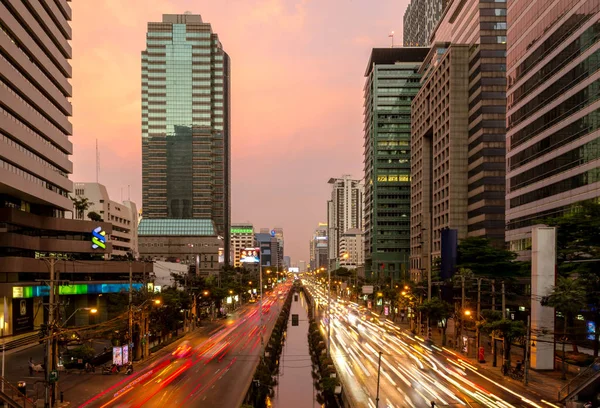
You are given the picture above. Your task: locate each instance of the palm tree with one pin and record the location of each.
(81, 205)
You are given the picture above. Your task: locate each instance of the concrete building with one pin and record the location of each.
(458, 133)
(319, 254)
(186, 123)
(344, 212)
(269, 249)
(420, 19)
(553, 137)
(287, 261)
(392, 82)
(242, 237)
(302, 266)
(352, 251)
(191, 242)
(122, 216)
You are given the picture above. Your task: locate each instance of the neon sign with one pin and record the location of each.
(98, 238)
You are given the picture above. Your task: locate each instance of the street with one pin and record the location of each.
(413, 373)
(217, 372)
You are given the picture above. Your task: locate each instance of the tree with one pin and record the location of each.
(568, 297)
(439, 311)
(509, 330)
(578, 253)
(81, 204)
(484, 259)
(94, 216)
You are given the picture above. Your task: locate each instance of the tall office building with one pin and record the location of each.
(351, 253)
(242, 237)
(392, 83)
(344, 212)
(553, 141)
(185, 124)
(420, 19)
(458, 136)
(319, 248)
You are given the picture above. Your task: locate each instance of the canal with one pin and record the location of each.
(295, 383)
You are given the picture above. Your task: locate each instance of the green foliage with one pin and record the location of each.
(436, 310)
(509, 330)
(484, 259)
(94, 216)
(84, 352)
(81, 204)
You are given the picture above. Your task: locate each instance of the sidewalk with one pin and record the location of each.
(545, 384)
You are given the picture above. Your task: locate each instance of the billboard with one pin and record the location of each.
(293, 269)
(22, 315)
(250, 255)
(221, 255)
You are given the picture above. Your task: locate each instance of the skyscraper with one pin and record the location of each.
(420, 19)
(553, 111)
(344, 212)
(458, 135)
(242, 237)
(185, 123)
(392, 83)
(318, 247)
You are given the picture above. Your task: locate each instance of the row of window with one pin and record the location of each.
(32, 155)
(31, 178)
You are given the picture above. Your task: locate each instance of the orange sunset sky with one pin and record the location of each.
(297, 97)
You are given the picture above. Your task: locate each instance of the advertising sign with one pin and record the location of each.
(221, 255)
(367, 289)
(22, 315)
(591, 329)
(118, 355)
(386, 310)
(293, 269)
(125, 354)
(250, 255)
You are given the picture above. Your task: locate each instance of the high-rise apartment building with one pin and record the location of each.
(458, 135)
(344, 212)
(392, 83)
(351, 249)
(242, 237)
(185, 123)
(553, 111)
(420, 19)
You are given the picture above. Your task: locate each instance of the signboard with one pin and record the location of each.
(386, 310)
(241, 230)
(22, 315)
(293, 269)
(118, 355)
(98, 238)
(221, 255)
(367, 289)
(250, 255)
(272, 233)
(125, 354)
(591, 329)
(369, 304)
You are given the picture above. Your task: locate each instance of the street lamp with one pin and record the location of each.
(89, 309)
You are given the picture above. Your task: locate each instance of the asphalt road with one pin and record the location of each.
(217, 372)
(413, 372)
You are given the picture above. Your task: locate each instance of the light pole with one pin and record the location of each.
(328, 311)
(92, 310)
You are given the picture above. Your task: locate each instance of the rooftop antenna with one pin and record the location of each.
(121, 194)
(97, 161)
(392, 35)
(128, 192)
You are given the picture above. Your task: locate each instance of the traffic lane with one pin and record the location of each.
(183, 379)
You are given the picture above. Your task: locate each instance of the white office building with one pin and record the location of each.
(352, 251)
(123, 217)
(242, 237)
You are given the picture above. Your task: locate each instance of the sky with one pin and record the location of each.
(297, 81)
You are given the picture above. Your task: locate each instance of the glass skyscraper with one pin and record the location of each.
(185, 123)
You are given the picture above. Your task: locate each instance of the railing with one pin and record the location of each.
(23, 341)
(13, 397)
(582, 378)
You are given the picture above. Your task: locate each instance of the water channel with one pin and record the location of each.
(295, 384)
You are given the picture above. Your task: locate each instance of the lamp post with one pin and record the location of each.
(92, 310)
(328, 311)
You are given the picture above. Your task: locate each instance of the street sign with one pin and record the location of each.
(367, 289)
(53, 376)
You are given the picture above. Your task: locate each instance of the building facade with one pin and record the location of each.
(553, 141)
(443, 195)
(193, 242)
(344, 212)
(352, 251)
(242, 237)
(185, 123)
(392, 83)
(319, 253)
(123, 217)
(269, 249)
(420, 19)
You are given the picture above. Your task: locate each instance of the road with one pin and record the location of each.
(217, 372)
(413, 372)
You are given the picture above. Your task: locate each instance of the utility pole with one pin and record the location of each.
(493, 294)
(477, 334)
(378, 377)
(130, 307)
(462, 307)
(527, 345)
(50, 386)
(329, 312)
(503, 301)
(260, 307)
